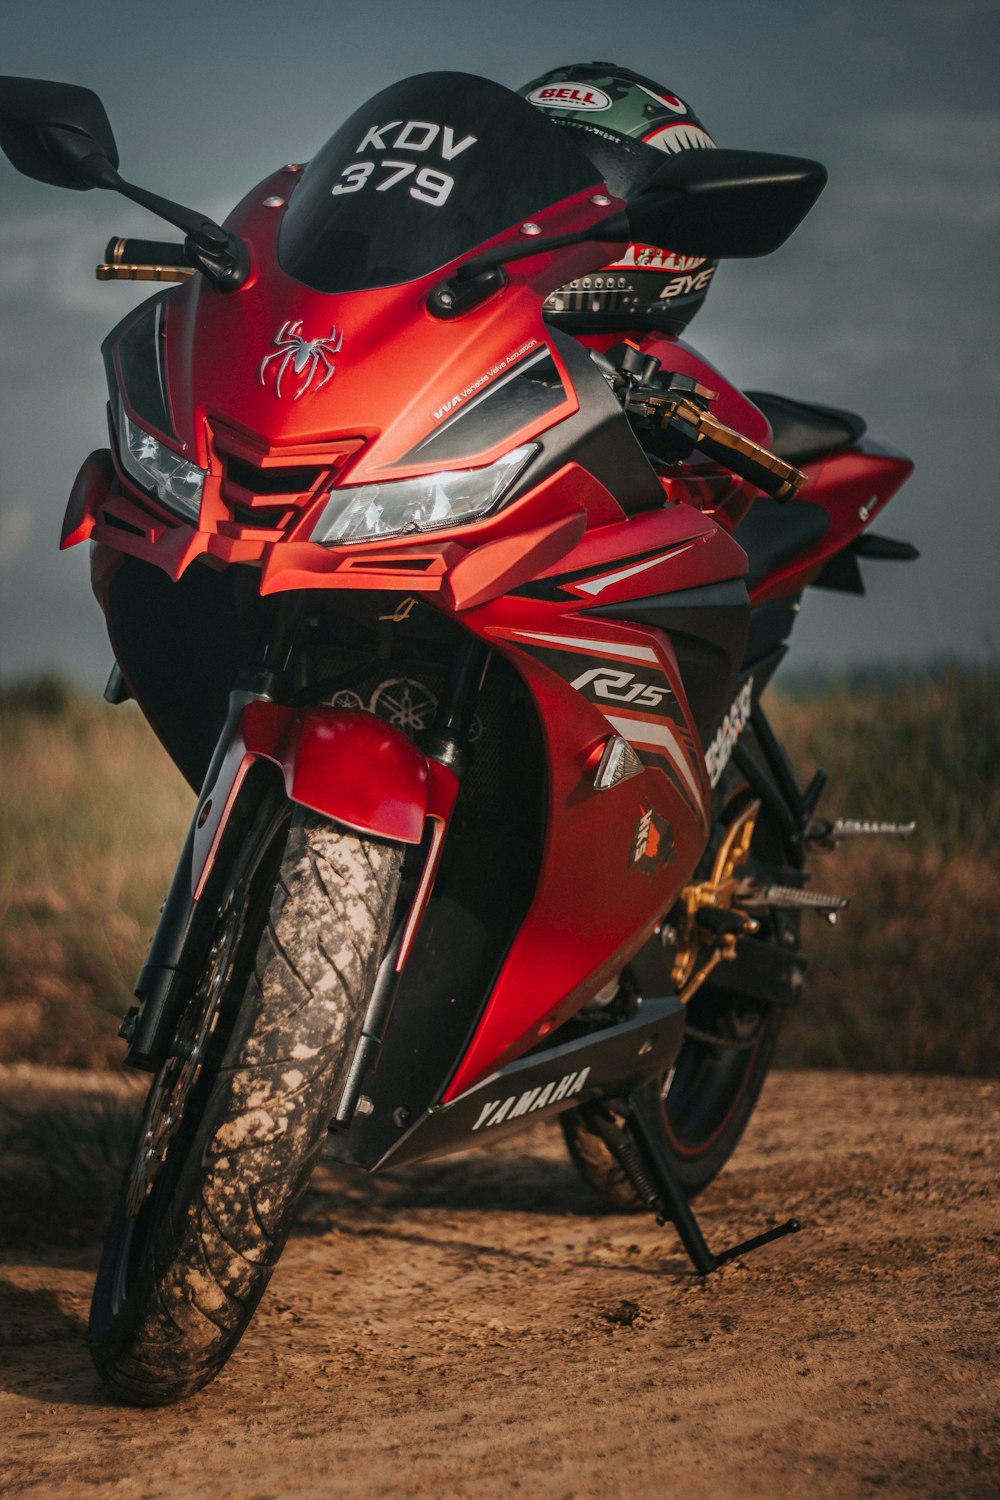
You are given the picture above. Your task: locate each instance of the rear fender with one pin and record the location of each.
(348, 765)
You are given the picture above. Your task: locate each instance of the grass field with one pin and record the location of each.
(94, 815)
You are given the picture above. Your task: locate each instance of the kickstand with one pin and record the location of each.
(637, 1151)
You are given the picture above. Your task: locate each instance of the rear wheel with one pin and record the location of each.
(235, 1118)
(702, 1107)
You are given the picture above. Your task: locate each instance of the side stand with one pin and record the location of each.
(637, 1151)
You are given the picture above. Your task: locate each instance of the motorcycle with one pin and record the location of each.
(459, 626)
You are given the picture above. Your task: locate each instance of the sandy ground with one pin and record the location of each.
(481, 1326)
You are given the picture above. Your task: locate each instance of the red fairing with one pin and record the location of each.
(614, 860)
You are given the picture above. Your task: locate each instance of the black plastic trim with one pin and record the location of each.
(598, 437)
(708, 629)
(614, 1060)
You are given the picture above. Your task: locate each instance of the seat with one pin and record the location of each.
(802, 432)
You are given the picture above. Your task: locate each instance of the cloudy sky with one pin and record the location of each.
(886, 301)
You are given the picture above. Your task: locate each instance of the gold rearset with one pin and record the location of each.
(716, 894)
(116, 268)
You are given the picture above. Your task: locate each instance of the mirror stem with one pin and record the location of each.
(220, 256)
(608, 230)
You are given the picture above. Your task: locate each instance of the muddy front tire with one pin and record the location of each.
(226, 1146)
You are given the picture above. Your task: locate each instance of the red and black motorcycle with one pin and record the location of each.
(460, 626)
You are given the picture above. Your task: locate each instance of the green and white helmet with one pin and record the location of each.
(623, 121)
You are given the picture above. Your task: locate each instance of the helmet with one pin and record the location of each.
(621, 120)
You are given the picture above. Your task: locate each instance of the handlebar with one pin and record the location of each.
(735, 452)
(678, 407)
(144, 260)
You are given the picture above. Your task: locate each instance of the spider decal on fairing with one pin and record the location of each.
(304, 355)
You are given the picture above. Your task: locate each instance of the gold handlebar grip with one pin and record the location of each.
(786, 479)
(115, 268)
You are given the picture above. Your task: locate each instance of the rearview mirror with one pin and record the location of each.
(724, 203)
(49, 130)
(59, 133)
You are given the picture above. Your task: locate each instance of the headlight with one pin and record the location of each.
(364, 512)
(175, 483)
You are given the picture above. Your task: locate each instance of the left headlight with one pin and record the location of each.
(176, 483)
(366, 512)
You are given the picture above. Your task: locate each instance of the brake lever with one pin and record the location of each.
(683, 416)
(678, 405)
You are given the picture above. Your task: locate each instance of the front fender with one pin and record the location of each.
(345, 763)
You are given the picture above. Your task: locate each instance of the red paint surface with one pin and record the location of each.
(348, 765)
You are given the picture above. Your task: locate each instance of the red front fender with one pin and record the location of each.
(347, 764)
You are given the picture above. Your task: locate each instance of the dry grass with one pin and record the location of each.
(909, 979)
(94, 815)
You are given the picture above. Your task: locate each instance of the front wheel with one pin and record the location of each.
(236, 1116)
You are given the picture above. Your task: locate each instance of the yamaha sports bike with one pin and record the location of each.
(459, 627)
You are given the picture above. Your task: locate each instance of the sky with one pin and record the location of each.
(885, 301)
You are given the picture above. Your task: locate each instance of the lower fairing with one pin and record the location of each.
(605, 1063)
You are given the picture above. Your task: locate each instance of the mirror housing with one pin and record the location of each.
(60, 134)
(56, 132)
(731, 204)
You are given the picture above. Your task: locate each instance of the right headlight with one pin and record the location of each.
(176, 483)
(395, 507)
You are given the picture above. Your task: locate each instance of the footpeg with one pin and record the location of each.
(753, 896)
(824, 834)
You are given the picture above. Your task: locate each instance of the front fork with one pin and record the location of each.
(178, 947)
(350, 766)
(446, 742)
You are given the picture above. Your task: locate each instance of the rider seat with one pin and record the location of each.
(774, 533)
(802, 432)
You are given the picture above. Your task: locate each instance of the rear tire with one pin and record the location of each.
(208, 1201)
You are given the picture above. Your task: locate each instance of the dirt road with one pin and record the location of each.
(480, 1326)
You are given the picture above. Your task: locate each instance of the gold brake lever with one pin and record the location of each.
(782, 480)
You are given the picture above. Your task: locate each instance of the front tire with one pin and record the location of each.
(236, 1117)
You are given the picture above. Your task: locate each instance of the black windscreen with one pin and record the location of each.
(428, 169)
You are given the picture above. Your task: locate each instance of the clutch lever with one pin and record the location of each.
(680, 414)
(678, 406)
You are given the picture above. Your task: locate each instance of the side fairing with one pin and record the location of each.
(613, 859)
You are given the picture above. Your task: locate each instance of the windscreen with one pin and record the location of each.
(427, 170)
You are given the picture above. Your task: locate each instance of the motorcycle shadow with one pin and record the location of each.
(530, 1174)
(442, 1204)
(43, 1345)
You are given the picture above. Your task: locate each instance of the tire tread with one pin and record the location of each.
(263, 1124)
